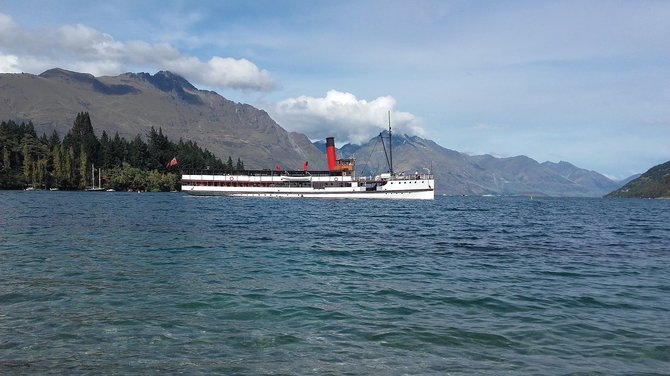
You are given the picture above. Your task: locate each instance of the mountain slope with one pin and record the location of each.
(654, 183)
(591, 180)
(131, 104)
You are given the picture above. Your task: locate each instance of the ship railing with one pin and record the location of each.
(378, 178)
(296, 173)
(266, 172)
(415, 176)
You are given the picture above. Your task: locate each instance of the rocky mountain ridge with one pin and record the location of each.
(132, 103)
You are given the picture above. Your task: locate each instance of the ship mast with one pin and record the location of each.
(390, 146)
(389, 155)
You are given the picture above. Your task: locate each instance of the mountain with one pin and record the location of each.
(460, 174)
(589, 179)
(132, 103)
(654, 183)
(627, 180)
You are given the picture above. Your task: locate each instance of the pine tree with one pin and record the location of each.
(105, 151)
(27, 165)
(54, 140)
(119, 150)
(40, 168)
(137, 153)
(29, 151)
(6, 159)
(83, 168)
(82, 138)
(159, 149)
(68, 165)
(57, 158)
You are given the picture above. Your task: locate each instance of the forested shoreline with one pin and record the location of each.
(47, 162)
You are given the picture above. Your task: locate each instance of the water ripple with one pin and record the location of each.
(165, 283)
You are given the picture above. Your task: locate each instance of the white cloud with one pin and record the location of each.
(226, 72)
(344, 116)
(9, 64)
(82, 48)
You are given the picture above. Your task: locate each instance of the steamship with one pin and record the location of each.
(339, 181)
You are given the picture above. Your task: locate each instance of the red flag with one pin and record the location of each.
(278, 168)
(173, 162)
(304, 167)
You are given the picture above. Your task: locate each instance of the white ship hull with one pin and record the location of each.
(418, 195)
(419, 187)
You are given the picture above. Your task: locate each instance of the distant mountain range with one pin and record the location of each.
(654, 183)
(132, 103)
(460, 174)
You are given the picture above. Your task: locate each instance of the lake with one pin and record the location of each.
(164, 283)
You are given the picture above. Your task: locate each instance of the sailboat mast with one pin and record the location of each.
(99, 178)
(92, 175)
(390, 145)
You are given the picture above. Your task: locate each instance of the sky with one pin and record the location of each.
(586, 82)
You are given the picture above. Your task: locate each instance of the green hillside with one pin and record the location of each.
(654, 183)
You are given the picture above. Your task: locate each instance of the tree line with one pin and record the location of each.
(48, 162)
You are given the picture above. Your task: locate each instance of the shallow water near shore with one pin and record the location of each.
(127, 283)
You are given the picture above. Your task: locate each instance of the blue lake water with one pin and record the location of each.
(127, 283)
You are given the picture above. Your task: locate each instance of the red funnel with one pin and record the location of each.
(330, 153)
